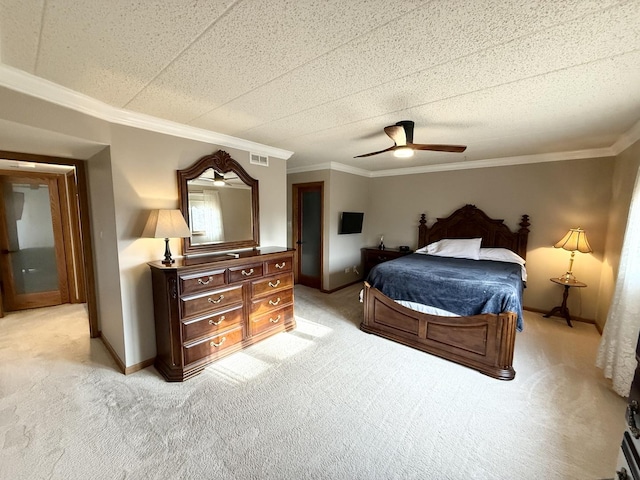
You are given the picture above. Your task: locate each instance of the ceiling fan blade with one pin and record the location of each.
(397, 134)
(376, 153)
(439, 148)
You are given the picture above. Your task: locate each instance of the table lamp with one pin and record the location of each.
(574, 240)
(166, 224)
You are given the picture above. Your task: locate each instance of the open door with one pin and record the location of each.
(308, 232)
(32, 250)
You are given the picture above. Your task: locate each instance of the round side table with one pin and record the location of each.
(563, 310)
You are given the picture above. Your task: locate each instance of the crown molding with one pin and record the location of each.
(445, 167)
(23, 82)
(627, 139)
(340, 167)
(499, 162)
(311, 168)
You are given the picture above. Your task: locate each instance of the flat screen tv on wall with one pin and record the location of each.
(351, 222)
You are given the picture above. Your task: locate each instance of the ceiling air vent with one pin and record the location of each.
(259, 160)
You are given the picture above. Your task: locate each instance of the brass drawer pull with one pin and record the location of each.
(216, 301)
(281, 266)
(247, 274)
(205, 282)
(276, 320)
(222, 340)
(222, 319)
(271, 302)
(274, 285)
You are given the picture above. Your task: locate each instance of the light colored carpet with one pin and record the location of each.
(326, 401)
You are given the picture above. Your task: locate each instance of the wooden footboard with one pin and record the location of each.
(483, 342)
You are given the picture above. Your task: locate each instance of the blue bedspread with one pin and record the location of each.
(461, 286)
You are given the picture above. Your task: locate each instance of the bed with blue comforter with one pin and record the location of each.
(464, 310)
(458, 285)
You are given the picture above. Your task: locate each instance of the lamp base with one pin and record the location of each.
(567, 277)
(167, 253)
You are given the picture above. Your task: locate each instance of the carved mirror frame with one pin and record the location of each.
(222, 162)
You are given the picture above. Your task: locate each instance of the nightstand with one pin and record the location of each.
(372, 256)
(562, 309)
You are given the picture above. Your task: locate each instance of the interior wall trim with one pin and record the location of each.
(607, 152)
(23, 82)
(119, 363)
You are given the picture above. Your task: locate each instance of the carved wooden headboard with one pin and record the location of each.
(471, 222)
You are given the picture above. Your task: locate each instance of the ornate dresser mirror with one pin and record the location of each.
(219, 201)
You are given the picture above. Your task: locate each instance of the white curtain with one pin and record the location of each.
(616, 355)
(206, 216)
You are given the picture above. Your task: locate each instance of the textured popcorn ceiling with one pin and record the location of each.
(322, 78)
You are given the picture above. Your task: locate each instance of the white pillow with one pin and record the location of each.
(501, 255)
(504, 255)
(454, 247)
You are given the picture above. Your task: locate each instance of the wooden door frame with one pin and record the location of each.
(85, 226)
(73, 239)
(295, 197)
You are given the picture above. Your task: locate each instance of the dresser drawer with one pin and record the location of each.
(211, 301)
(271, 284)
(271, 302)
(278, 266)
(212, 345)
(201, 282)
(239, 274)
(272, 320)
(206, 326)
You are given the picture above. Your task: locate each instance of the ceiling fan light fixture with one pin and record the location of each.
(218, 180)
(403, 152)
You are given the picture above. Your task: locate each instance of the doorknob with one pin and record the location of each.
(299, 242)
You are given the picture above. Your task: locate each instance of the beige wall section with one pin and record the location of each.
(556, 195)
(104, 235)
(34, 112)
(137, 174)
(342, 192)
(236, 213)
(144, 168)
(347, 193)
(625, 175)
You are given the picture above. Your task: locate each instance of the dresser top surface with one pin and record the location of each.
(203, 260)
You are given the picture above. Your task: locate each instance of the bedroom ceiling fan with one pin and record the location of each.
(403, 147)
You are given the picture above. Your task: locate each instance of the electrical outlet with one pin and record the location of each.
(347, 270)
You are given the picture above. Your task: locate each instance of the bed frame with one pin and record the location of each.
(483, 342)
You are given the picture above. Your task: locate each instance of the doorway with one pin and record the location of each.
(308, 208)
(32, 247)
(46, 254)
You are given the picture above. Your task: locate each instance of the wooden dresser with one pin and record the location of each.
(210, 306)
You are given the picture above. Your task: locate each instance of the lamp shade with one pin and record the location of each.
(166, 224)
(575, 240)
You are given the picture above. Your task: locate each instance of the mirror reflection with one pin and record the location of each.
(219, 201)
(219, 208)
